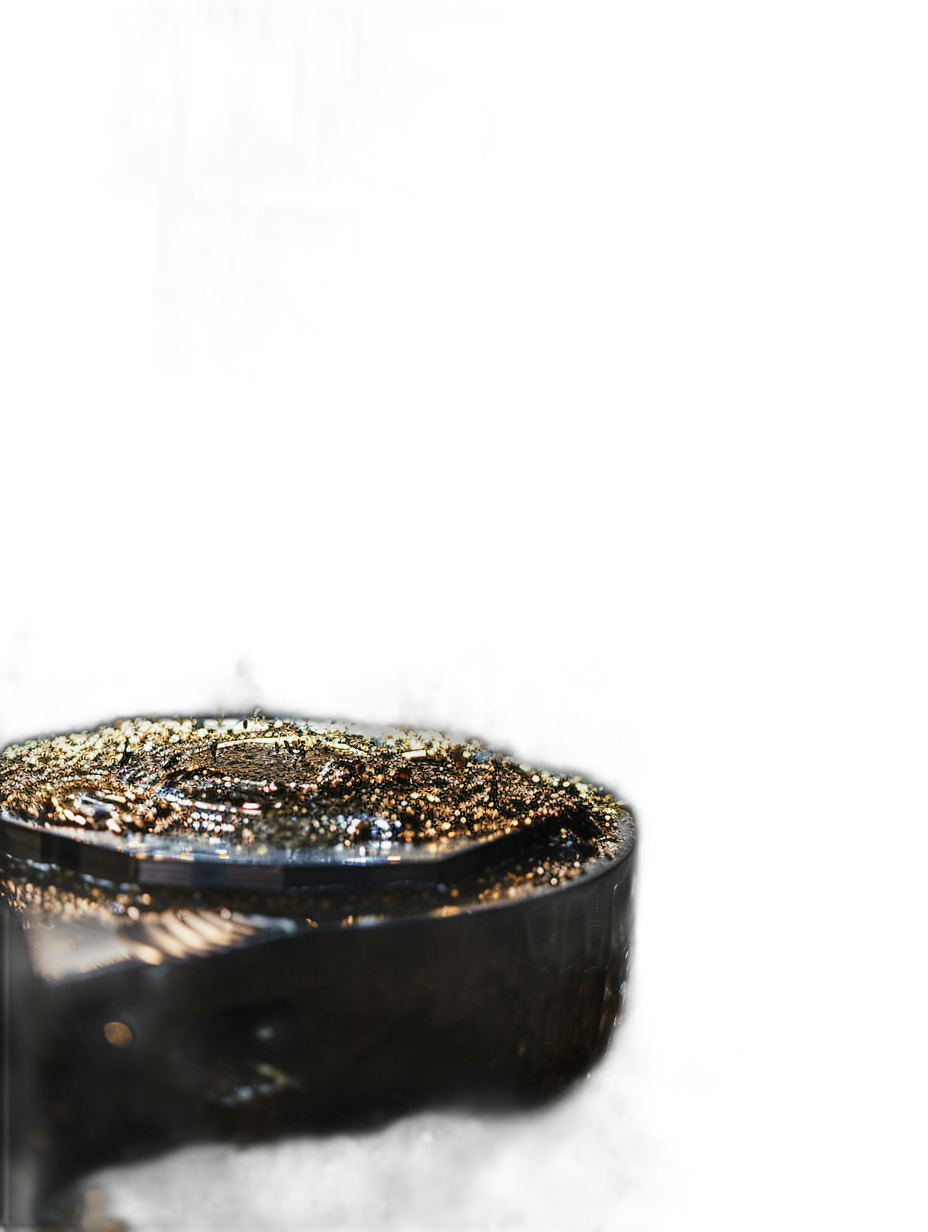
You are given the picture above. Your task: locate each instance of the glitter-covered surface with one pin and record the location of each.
(487, 965)
(285, 781)
(255, 785)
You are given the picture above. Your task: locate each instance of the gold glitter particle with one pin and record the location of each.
(118, 1034)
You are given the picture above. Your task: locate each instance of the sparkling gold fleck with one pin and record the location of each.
(118, 1034)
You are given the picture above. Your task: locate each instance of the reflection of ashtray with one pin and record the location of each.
(238, 928)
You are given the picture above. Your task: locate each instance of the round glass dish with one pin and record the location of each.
(245, 927)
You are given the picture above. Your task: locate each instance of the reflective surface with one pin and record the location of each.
(278, 803)
(385, 921)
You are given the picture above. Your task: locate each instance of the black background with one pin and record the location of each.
(457, 477)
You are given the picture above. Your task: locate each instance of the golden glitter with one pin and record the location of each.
(118, 1034)
(304, 784)
(264, 783)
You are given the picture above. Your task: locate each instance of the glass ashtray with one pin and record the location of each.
(234, 929)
